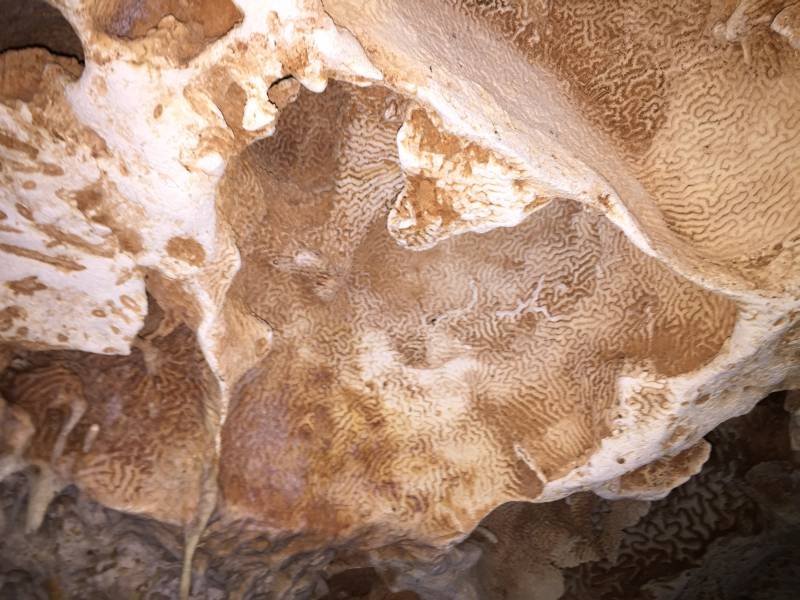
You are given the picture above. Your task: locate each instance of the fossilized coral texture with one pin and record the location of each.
(350, 275)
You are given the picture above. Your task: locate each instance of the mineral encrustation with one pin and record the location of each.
(399, 298)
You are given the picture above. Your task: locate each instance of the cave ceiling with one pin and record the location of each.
(320, 283)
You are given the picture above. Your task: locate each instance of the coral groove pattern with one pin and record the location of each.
(437, 299)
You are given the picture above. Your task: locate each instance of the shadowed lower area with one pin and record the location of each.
(732, 532)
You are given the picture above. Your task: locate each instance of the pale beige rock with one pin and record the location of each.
(365, 271)
(787, 23)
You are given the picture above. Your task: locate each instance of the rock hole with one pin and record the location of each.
(36, 24)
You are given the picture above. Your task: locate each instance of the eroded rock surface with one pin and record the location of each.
(730, 530)
(313, 287)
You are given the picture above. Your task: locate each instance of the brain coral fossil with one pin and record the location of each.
(350, 275)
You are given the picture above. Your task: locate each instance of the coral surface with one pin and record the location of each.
(399, 298)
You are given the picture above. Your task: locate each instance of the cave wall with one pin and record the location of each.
(326, 283)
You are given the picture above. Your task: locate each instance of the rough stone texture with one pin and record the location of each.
(730, 532)
(319, 285)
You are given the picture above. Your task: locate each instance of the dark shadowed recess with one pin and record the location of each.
(732, 532)
(34, 23)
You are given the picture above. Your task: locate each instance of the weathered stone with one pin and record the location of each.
(344, 277)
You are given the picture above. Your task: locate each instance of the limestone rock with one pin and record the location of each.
(326, 282)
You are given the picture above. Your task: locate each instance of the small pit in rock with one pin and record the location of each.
(36, 24)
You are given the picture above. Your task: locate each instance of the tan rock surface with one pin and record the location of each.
(347, 276)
